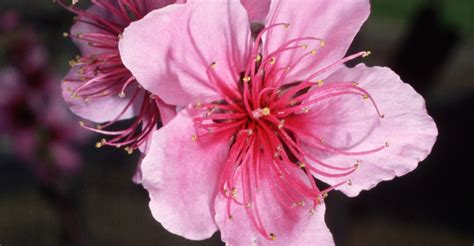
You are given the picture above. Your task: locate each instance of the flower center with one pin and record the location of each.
(266, 119)
(102, 74)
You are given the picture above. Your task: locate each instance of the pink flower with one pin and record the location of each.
(267, 114)
(98, 87)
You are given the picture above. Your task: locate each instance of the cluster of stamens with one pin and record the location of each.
(100, 75)
(262, 116)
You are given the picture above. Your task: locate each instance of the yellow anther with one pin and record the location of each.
(273, 237)
(246, 78)
(82, 123)
(234, 192)
(286, 25)
(129, 150)
(322, 43)
(320, 82)
(194, 137)
(301, 203)
(301, 164)
(325, 194)
(305, 110)
(313, 52)
(265, 111)
(197, 105)
(282, 124)
(258, 58)
(304, 46)
(121, 94)
(74, 2)
(365, 96)
(65, 34)
(311, 211)
(366, 53)
(213, 65)
(98, 144)
(272, 60)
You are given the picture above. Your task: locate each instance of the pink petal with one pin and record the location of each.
(291, 226)
(170, 50)
(256, 9)
(353, 125)
(80, 27)
(102, 109)
(181, 177)
(336, 22)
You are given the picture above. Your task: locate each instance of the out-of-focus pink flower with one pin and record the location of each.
(33, 116)
(98, 87)
(267, 114)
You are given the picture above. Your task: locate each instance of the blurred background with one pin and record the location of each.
(88, 197)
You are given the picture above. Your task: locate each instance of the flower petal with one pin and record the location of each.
(181, 177)
(102, 109)
(336, 22)
(407, 129)
(291, 226)
(256, 9)
(170, 50)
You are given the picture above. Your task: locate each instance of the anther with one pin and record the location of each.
(81, 123)
(98, 145)
(301, 203)
(320, 82)
(282, 124)
(311, 211)
(197, 105)
(365, 96)
(213, 65)
(194, 137)
(272, 60)
(246, 79)
(65, 34)
(265, 111)
(286, 25)
(273, 237)
(304, 46)
(322, 44)
(258, 57)
(129, 150)
(301, 164)
(366, 53)
(120, 36)
(313, 52)
(121, 94)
